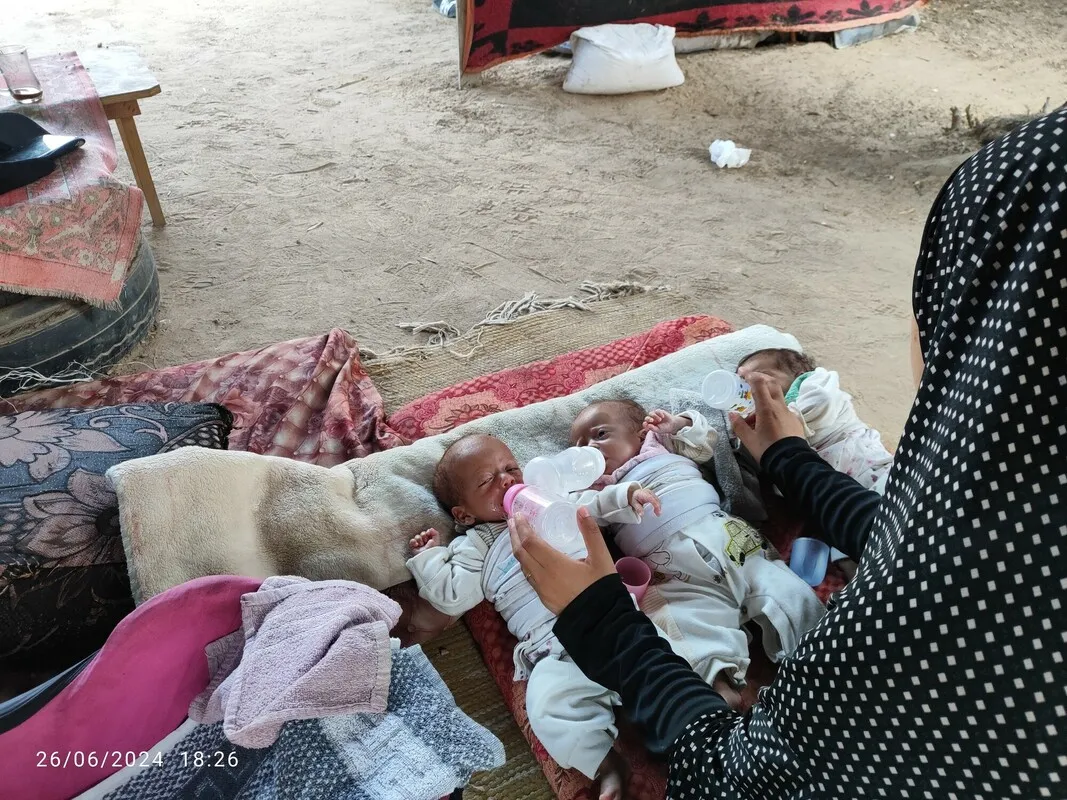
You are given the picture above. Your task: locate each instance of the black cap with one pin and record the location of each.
(28, 151)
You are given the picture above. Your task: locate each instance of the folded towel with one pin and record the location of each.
(306, 650)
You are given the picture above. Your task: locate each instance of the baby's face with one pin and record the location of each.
(769, 365)
(610, 430)
(484, 471)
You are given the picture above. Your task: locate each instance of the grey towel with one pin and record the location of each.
(422, 748)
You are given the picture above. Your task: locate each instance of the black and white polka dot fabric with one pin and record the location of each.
(940, 671)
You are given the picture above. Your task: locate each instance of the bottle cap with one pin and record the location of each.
(509, 496)
(543, 473)
(587, 465)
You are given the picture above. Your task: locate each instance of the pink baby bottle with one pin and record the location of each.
(553, 518)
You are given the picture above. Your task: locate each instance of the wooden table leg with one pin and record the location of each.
(131, 140)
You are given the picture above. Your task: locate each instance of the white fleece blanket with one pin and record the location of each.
(195, 512)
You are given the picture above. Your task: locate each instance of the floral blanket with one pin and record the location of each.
(307, 399)
(72, 233)
(63, 580)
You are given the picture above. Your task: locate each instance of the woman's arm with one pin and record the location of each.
(617, 646)
(841, 509)
(836, 503)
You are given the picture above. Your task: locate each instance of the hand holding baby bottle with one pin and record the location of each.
(773, 419)
(556, 577)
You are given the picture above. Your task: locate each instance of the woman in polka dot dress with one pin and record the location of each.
(939, 672)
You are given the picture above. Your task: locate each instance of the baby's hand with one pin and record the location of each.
(425, 540)
(664, 422)
(639, 498)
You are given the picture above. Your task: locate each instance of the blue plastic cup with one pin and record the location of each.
(809, 559)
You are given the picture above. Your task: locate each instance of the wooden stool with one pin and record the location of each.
(122, 78)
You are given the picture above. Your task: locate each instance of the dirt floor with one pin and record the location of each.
(319, 168)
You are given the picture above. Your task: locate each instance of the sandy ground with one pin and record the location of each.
(319, 168)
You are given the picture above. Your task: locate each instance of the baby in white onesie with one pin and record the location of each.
(716, 577)
(831, 425)
(573, 717)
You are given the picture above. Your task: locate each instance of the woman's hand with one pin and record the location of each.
(774, 420)
(558, 578)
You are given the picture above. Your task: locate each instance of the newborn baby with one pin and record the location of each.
(717, 576)
(831, 425)
(573, 717)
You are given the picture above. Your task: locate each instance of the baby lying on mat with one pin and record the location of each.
(831, 424)
(573, 717)
(718, 577)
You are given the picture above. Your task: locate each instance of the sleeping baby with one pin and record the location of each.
(573, 717)
(718, 577)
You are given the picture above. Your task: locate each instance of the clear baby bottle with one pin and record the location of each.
(553, 519)
(726, 391)
(574, 469)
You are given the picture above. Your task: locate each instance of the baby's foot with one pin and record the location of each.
(726, 688)
(425, 540)
(612, 777)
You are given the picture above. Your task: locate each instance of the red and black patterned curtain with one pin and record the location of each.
(494, 31)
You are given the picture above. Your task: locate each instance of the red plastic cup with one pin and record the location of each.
(635, 574)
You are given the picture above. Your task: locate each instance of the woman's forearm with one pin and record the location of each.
(617, 646)
(841, 509)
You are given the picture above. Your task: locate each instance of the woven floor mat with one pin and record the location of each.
(457, 658)
(491, 348)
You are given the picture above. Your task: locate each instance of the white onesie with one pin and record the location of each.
(573, 717)
(717, 576)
